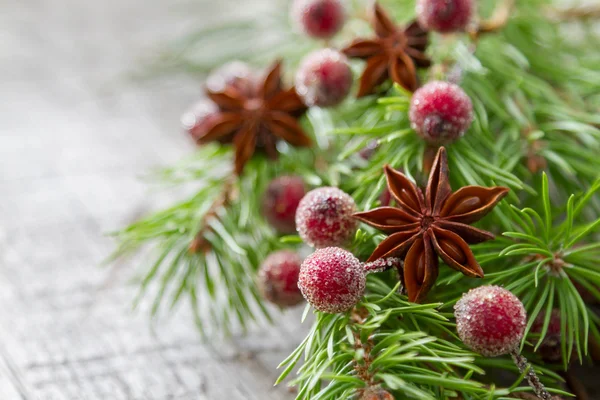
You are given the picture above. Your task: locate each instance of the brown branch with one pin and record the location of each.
(200, 244)
(363, 370)
(527, 369)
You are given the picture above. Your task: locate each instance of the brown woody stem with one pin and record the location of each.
(363, 369)
(200, 243)
(526, 368)
(383, 264)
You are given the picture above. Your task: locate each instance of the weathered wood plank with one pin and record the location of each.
(75, 136)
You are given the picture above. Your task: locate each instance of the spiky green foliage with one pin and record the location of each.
(410, 349)
(535, 88)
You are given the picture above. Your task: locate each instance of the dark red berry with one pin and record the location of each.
(440, 112)
(278, 278)
(199, 118)
(550, 349)
(376, 393)
(324, 217)
(332, 280)
(320, 19)
(235, 74)
(444, 15)
(280, 202)
(324, 78)
(490, 320)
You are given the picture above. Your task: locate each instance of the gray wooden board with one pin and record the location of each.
(75, 136)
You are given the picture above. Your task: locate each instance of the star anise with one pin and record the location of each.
(422, 228)
(257, 119)
(395, 52)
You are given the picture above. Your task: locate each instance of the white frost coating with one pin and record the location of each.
(324, 217)
(490, 320)
(332, 280)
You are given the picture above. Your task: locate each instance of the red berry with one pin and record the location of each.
(490, 320)
(550, 349)
(440, 112)
(324, 78)
(278, 278)
(319, 18)
(332, 280)
(444, 15)
(324, 217)
(234, 74)
(199, 118)
(281, 200)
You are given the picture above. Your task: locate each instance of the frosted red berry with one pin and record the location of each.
(440, 112)
(324, 217)
(320, 19)
(332, 280)
(324, 78)
(445, 15)
(278, 278)
(280, 202)
(376, 393)
(199, 118)
(236, 74)
(550, 349)
(490, 320)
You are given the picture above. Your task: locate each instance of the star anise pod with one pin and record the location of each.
(394, 53)
(257, 119)
(422, 228)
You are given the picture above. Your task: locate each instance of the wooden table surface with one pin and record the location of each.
(75, 136)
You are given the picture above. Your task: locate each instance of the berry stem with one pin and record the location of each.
(222, 200)
(532, 378)
(383, 264)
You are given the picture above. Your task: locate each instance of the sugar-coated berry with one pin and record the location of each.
(236, 74)
(324, 78)
(281, 200)
(324, 217)
(199, 118)
(278, 278)
(440, 112)
(332, 280)
(490, 320)
(320, 19)
(550, 349)
(444, 15)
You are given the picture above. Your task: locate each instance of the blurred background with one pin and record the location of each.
(82, 117)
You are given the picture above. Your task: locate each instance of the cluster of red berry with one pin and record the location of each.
(440, 112)
(490, 319)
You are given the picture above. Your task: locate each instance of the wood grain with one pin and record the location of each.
(75, 136)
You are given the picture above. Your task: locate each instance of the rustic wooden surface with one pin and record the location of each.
(75, 135)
